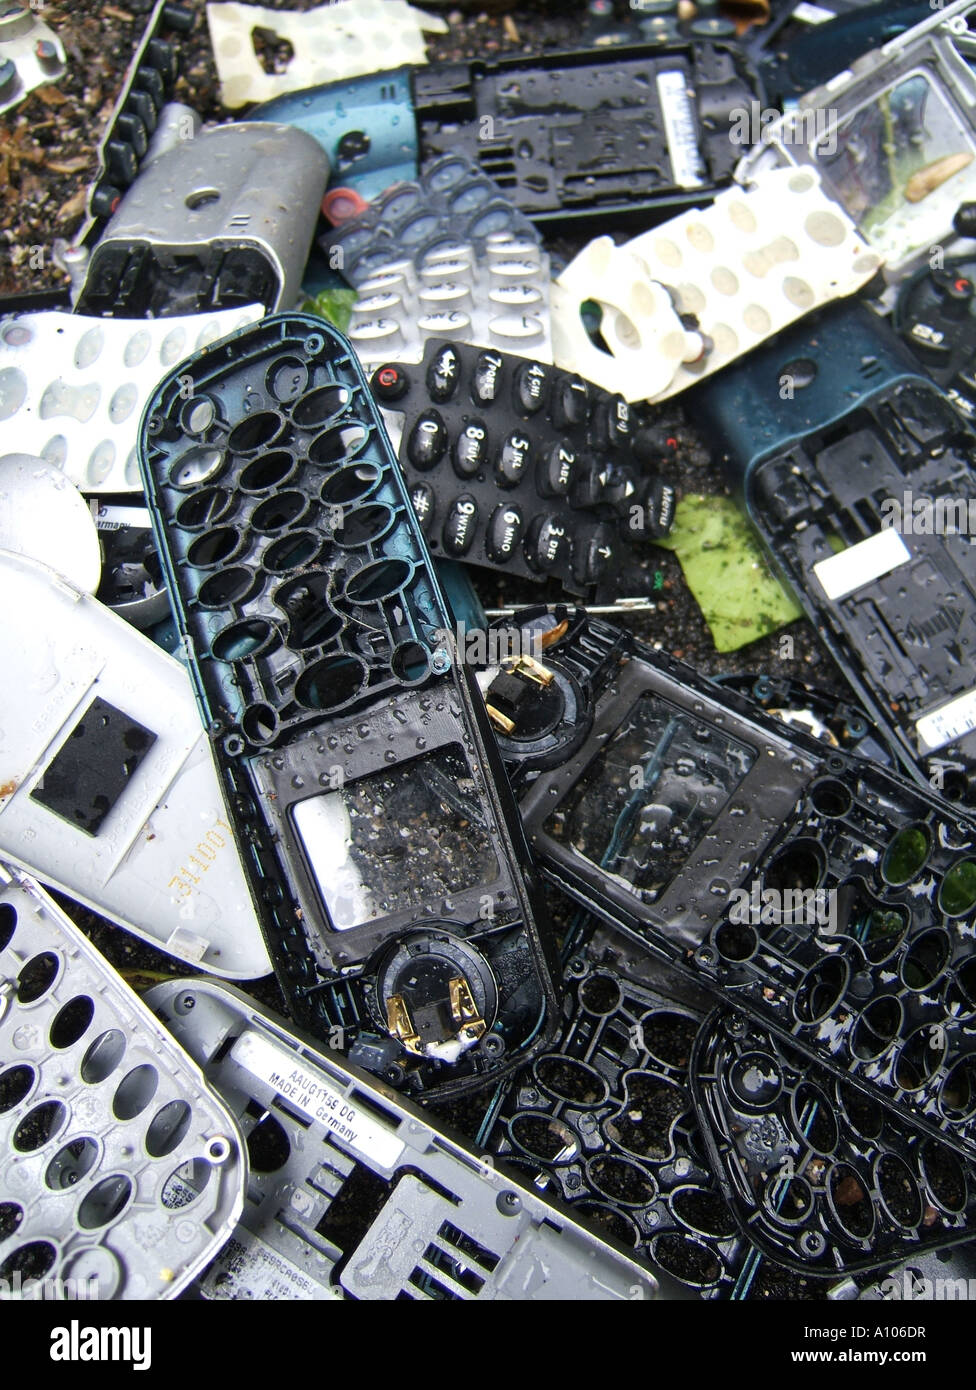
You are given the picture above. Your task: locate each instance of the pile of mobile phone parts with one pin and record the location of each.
(600, 135)
(110, 790)
(31, 54)
(133, 128)
(828, 899)
(358, 764)
(123, 1172)
(893, 138)
(328, 42)
(202, 229)
(354, 1193)
(685, 299)
(514, 465)
(447, 257)
(818, 1175)
(72, 388)
(863, 498)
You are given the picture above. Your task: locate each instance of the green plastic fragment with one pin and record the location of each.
(726, 570)
(334, 305)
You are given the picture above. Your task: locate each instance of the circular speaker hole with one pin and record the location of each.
(291, 552)
(104, 1203)
(906, 855)
(898, 1191)
(381, 580)
(71, 1021)
(260, 723)
(600, 994)
(365, 525)
(943, 1177)
(335, 445)
(39, 1126)
(103, 1056)
(850, 1204)
(925, 960)
(351, 484)
(410, 662)
(168, 1128)
(256, 432)
(821, 990)
(755, 1082)
(277, 512)
(37, 977)
(15, 1085)
(243, 639)
(204, 508)
(213, 548)
(920, 1057)
(813, 1119)
(321, 405)
(877, 1028)
(134, 1092)
(331, 682)
(71, 1163)
(571, 1081)
(268, 471)
(234, 585)
(957, 892)
(8, 922)
(197, 415)
(736, 941)
(544, 1138)
(831, 798)
(287, 379)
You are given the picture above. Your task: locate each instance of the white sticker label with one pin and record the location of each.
(945, 725)
(860, 564)
(311, 1094)
(248, 1268)
(812, 14)
(680, 129)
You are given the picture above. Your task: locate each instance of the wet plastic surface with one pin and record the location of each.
(612, 134)
(355, 1194)
(514, 465)
(355, 757)
(686, 819)
(123, 1173)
